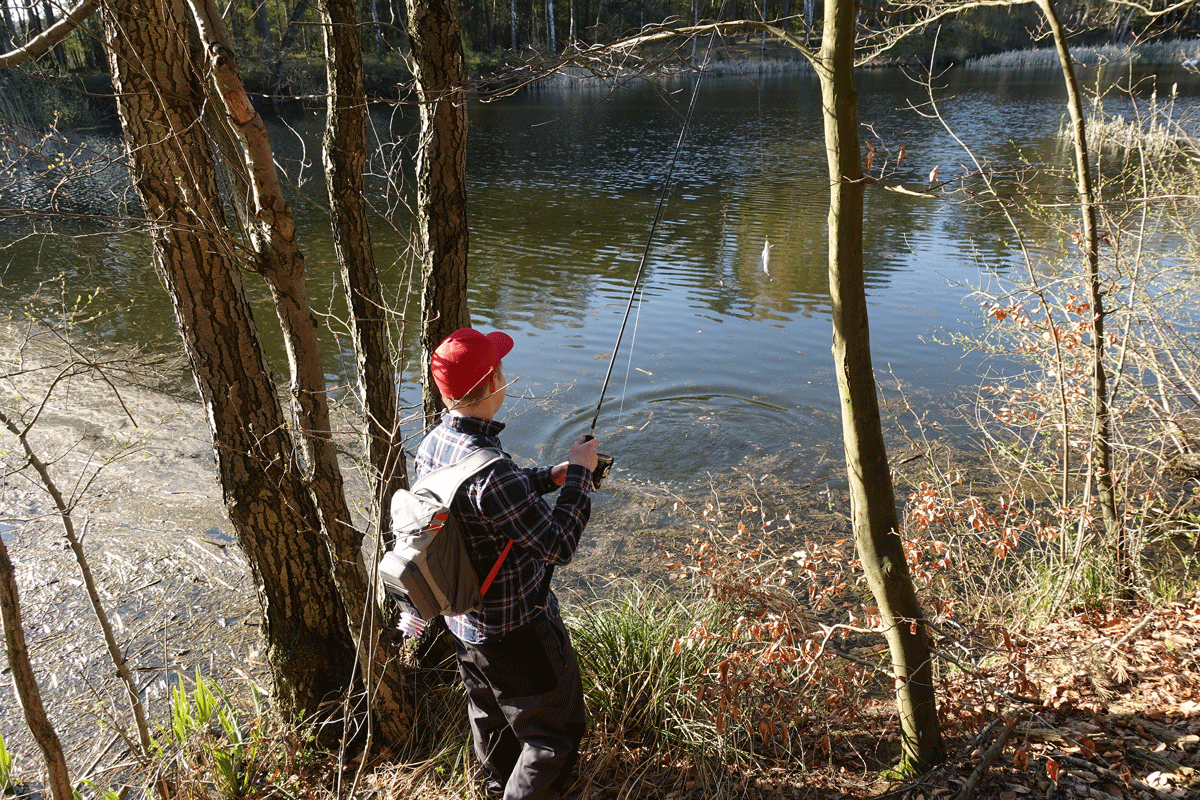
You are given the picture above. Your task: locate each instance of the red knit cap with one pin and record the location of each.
(465, 360)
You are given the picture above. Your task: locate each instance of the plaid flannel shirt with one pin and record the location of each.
(501, 503)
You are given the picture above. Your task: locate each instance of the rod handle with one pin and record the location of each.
(604, 463)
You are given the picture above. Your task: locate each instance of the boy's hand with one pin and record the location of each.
(584, 452)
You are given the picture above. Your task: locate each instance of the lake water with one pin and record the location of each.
(723, 368)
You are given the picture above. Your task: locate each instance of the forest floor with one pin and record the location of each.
(1102, 703)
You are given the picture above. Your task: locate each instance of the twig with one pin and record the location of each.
(989, 757)
(1134, 631)
(1080, 763)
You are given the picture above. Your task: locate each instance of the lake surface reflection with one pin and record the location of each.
(723, 367)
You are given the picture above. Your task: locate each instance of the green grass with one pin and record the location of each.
(640, 680)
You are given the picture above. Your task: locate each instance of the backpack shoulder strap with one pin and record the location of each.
(444, 482)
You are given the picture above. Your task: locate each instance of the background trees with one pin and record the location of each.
(282, 46)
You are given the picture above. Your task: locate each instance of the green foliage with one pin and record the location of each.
(384, 73)
(34, 101)
(182, 722)
(98, 792)
(639, 679)
(8, 784)
(206, 736)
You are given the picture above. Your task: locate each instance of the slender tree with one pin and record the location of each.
(263, 20)
(25, 682)
(345, 156)
(872, 497)
(1101, 446)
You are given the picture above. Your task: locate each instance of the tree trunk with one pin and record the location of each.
(290, 31)
(377, 29)
(280, 261)
(1101, 418)
(441, 179)
(551, 37)
(873, 507)
(345, 148)
(8, 36)
(512, 16)
(345, 151)
(489, 11)
(264, 27)
(25, 682)
(158, 101)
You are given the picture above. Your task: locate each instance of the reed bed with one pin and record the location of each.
(1178, 51)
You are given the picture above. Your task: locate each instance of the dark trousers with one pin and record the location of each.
(525, 704)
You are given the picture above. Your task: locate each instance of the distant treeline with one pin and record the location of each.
(280, 43)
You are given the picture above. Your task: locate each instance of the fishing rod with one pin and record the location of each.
(606, 461)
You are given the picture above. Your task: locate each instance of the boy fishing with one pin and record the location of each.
(524, 694)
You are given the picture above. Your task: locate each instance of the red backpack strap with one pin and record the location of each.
(495, 568)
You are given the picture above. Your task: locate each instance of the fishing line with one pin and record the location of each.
(629, 364)
(662, 200)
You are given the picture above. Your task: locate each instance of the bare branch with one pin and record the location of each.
(49, 37)
(1150, 12)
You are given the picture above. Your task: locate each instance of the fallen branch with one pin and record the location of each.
(989, 757)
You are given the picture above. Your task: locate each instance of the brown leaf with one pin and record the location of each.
(1021, 757)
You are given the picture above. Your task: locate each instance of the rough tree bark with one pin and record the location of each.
(441, 178)
(159, 99)
(872, 497)
(345, 154)
(280, 261)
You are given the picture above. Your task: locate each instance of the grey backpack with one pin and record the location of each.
(429, 564)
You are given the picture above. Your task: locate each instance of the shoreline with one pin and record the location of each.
(175, 584)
